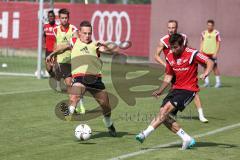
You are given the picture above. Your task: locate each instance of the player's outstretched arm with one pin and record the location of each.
(209, 68)
(158, 54)
(59, 50)
(107, 48)
(167, 80)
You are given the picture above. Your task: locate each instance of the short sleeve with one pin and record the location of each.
(202, 36)
(74, 29)
(55, 31)
(164, 40)
(218, 37)
(201, 58)
(185, 39)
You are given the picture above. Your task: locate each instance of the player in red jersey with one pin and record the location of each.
(49, 39)
(164, 47)
(182, 62)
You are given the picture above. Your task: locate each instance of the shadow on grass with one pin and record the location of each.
(86, 143)
(100, 134)
(196, 118)
(198, 144)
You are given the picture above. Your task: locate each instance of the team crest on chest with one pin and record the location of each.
(179, 61)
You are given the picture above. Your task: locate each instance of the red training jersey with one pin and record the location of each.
(49, 36)
(165, 41)
(185, 68)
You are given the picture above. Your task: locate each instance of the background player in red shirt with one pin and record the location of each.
(49, 39)
(164, 47)
(183, 63)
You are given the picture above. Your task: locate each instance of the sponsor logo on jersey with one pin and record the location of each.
(181, 69)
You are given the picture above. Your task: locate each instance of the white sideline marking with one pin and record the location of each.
(17, 74)
(37, 90)
(26, 91)
(176, 142)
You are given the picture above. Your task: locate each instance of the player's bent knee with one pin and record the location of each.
(74, 98)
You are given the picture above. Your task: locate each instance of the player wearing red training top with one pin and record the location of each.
(183, 63)
(49, 38)
(164, 47)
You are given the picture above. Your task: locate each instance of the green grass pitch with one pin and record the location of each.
(30, 129)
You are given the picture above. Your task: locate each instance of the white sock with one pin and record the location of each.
(107, 121)
(71, 109)
(200, 112)
(58, 85)
(80, 103)
(218, 80)
(181, 133)
(207, 80)
(148, 131)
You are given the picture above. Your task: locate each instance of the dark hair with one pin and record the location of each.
(85, 24)
(63, 11)
(173, 21)
(51, 12)
(211, 21)
(176, 38)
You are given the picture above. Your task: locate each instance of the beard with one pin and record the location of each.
(52, 22)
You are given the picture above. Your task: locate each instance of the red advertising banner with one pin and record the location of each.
(114, 23)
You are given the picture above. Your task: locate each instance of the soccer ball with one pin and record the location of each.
(4, 65)
(83, 132)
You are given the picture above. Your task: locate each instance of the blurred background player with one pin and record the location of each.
(210, 45)
(183, 90)
(49, 39)
(86, 72)
(63, 33)
(164, 47)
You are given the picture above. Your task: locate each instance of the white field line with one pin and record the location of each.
(37, 90)
(17, 74)
(25, 91)
(124, 156)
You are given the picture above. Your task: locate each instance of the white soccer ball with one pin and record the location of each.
(4, 65)
(83, 132)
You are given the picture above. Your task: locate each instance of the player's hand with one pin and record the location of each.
(156, 93)
(164, 65)
(48, 58)
(202, 76)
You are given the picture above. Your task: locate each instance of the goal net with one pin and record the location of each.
(19, 36)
